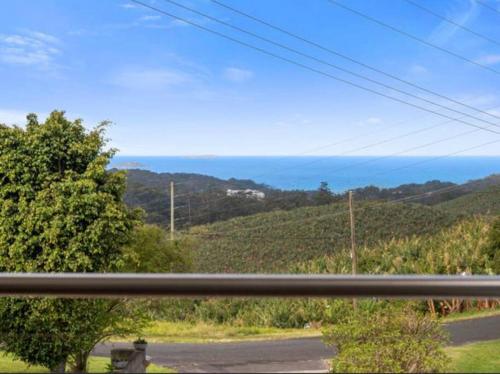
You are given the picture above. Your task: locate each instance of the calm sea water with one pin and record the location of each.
(340, 172)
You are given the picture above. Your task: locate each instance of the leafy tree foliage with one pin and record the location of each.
(60, 211)
(388, 340)
(324, 194)
(150, 251)
(202, 199)
(493, 247)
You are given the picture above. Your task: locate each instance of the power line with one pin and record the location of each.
(335, 214)
(350, 165)
(408, 150)
(321, 61)
(306, 67)
(367, 204)
(430, 11)
(311, 150)
(371, 160)
(487, 6)
(365, 161)
(444, 156)
(302, 65)
(348, 58)
(411, 36)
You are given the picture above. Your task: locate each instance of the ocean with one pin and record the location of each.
(306, 173)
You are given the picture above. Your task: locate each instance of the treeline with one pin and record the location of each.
(202, 199)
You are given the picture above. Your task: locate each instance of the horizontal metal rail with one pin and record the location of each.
(95, 285)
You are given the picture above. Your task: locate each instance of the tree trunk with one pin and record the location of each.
(430, 303)
(59, 368)
(81, 361)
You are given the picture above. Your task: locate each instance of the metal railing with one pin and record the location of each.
(254, 285)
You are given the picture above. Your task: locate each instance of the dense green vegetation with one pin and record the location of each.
(61, 210)
(493, 246)
(486, 201)
(463, 247)
(151, 251)
(388, 340)
(276, 241)
(202, 199)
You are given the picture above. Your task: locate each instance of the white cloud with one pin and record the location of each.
(29, 48)
(489, 59)
(43, 37)
(238, 75)
(149, 79)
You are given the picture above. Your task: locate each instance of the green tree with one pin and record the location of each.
(387, 340)
(493, 246)
(151, 251)
(60, 211)
(324, 194)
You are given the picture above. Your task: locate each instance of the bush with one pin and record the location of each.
(493, 247)
(391, 339)
(150, 251)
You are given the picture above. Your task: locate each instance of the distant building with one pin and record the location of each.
(251, 194)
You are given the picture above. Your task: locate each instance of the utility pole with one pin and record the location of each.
(189, 210)
(172, 208)
(354, 258)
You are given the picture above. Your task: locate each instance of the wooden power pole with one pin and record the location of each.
(172, 208)
(354, 258)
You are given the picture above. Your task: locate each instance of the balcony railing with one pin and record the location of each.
(249, 285)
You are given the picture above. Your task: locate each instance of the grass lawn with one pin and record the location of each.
(471, 314)
(200, 332)
(483, 357)
(96, 365)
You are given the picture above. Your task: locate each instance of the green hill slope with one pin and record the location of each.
(486, 201)
(276, 241)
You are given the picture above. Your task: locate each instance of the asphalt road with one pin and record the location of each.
(292, 355)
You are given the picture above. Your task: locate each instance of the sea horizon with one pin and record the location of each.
(307, 172)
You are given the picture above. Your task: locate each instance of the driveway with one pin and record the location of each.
(292, 355)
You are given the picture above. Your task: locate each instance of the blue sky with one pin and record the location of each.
(171, 89)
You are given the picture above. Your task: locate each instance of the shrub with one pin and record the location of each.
(391, 339)
(493, 246)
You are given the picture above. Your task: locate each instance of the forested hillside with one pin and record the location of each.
(485, 201)
(461, 247)
(202, 199)
(276, 241)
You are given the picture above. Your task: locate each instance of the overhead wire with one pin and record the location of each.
(456, 24)
(411, 36)
(225, 233)
(364, 162)
(488, 6)
(326, 63)
(346, 57)
(307, 67)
